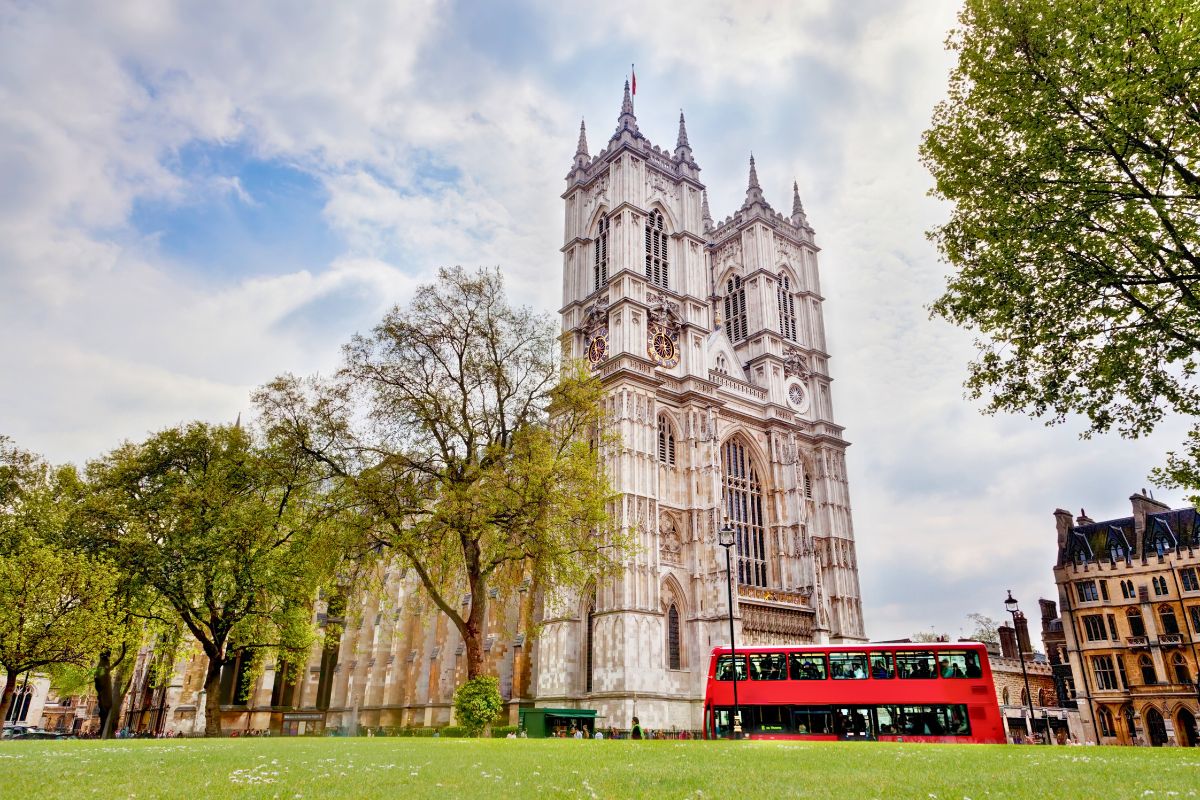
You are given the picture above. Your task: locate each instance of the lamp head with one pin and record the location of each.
(1010, 605)
(726, 535)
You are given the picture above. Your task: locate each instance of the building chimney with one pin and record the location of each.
(1062, 520)
(1008, 641)
(1023, 634)
(1049, 611)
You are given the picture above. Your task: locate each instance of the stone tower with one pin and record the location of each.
(710, 342)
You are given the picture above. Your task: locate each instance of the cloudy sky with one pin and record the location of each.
(196, 197)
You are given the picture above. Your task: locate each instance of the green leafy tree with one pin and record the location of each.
(469, 449)
(234, 536)
(986, 629)
(477, 703)
(1069, 144)
(51, 598)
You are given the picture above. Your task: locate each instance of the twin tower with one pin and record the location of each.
(709, 340)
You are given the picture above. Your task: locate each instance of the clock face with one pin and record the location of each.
(598, 347)
(797, 397)
(662, 345)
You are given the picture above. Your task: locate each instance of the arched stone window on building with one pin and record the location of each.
(600, 255)
(735, 309)
(1108, 726)
(656, 250)
(787, 308)
(674, 649)
(1166, 615)
(1041, 697)
(1149, 676)
(744, 510)
(590, 645)
(1004, 696)
(1182, 673)
(1024, 697)
(722, 364)
(18, 709)
(666, 441)
(1137, 627)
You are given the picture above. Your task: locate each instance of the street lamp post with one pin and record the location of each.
(727, 538)
(1010, 605)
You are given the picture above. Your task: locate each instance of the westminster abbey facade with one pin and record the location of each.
(709, 339)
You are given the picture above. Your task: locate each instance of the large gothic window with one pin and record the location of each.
(735, 309)
(666, 442)
(600, 255)
(590, 643)
(656, 250)
(744, 508)
(673, 652)
(787, 308)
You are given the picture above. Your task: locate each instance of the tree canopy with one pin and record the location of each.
(234, 536)
(471, 451)
(1068, 144)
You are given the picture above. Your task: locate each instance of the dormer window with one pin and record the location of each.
(656, 250)
(600, 255)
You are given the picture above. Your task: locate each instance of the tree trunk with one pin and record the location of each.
(104, 693)
(212, 697)
(10, 687)
(473, 629)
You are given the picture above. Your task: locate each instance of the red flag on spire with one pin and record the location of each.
(633, 80)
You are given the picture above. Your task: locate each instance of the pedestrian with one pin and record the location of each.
(636, 731)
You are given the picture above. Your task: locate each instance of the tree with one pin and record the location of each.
(477, 703)
(986, 629)
(51, 598)
(1068, 144)
(469, 449)
(234, 536)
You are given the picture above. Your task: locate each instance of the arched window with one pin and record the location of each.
(656, 250)
(673, 655)
(1024, 697)
(1107, 726)
(666, 442)
(1136, 626)
(1167, 615)
(591, 629)
(744, 508)
(18, 709)
(1005, 696)
(1041, 697)
(1116, 552)
(1149, 676)
(600, 255)
(1182, 673)
(722, 364)
(787, 308)
(735, 309)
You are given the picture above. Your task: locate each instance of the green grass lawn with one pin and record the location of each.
(399, 769)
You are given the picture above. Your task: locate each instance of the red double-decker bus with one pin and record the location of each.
(911, 692)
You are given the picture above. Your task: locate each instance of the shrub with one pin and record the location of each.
(477, 702)
(501, 731)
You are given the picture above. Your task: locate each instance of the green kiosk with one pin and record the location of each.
(542, 723)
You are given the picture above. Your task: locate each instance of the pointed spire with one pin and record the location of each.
(627, 121)
(683, 150)
(799, 218)
(582, 149)
(705, 216)
(753, 190)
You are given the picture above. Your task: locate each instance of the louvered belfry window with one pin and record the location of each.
(673, 659)
(787, 309)
(666, 442)
(744, 508)
(600, 255)
(656, 250)
(591, 627)
(735, 309)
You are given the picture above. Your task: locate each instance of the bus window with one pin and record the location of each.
(933, 720)
(768, 666)
(916, 664)
(767, 719)
(812, 720)
(959, 664)
(887, 720)
(954, 720)
(881, 666)
(848, 666)
(808, 667)
(725, 668)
